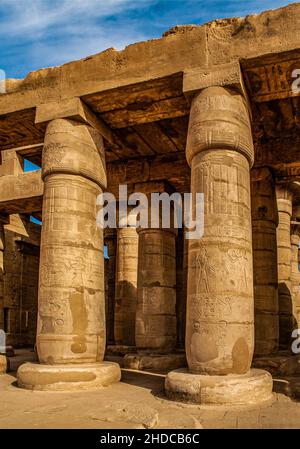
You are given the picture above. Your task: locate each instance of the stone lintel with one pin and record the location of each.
(223, 75)
(72, 108)
(11, 163)
(21, 193)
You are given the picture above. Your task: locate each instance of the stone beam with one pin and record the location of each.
(270, 78)
(171, 167)
(21, 193)
(221, 75)
(75, 109)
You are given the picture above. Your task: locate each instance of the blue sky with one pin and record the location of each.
(45, 33)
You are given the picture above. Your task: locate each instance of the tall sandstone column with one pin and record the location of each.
(156, 309)
(220, 306)
(110, 240)
(3, 359)
(126, 286)
(284, 256)
(1, 277)
(71, 312)
(264, 223)
(156, 324)
(180, 288)
(156, 300)
(295, 275)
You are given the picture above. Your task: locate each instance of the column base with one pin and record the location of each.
(154, 362)
(253, 387)
(34, 376)
(4, 364)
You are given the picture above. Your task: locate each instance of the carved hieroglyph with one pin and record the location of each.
(71, 315)
(156, 307)
(126, 286)
(219, 328)
(284, 206)
(264, 222)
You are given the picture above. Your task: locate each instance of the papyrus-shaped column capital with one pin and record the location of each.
(219, 119)
(74, 148)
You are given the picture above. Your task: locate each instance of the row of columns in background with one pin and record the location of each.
(141, 280)
(220, 301)
(276, 275)
(276, 231)
(145, 288)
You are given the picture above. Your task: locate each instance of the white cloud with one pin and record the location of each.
(23, 16)
(43, 33)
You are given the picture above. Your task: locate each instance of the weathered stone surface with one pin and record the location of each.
(68, 377)
(295, 273)
(156, 306)
(21, 193)
(264, 223)
(284, 205)
(1, 275)
(126, 286)
(71, 317)
(220, 328)
(251, 388)
(181, 282)
(3, 364)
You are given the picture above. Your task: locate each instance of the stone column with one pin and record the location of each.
(1, 276)
(126, 286)
(155, 329)
(220, 305)
(295, 275)
(180, 289)
(264, 223)
(110, 272)
(156, 309)
(71, 312)
(284, 205)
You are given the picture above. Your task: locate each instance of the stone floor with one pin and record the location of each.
(136, 402)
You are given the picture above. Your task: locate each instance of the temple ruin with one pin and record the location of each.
(212, 109)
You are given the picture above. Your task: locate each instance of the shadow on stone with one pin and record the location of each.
(151, 381)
